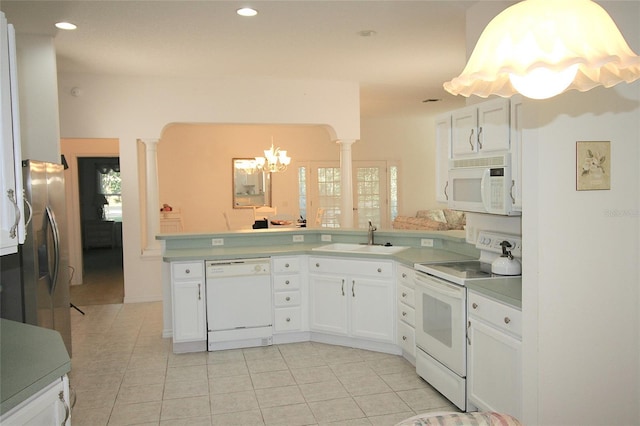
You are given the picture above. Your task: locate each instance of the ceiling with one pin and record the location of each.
(417, 44)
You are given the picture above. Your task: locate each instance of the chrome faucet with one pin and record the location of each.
(370, 234)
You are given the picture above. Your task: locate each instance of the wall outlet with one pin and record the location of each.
(426, 242)
(217, 241)
(298, 238)
(325, 238)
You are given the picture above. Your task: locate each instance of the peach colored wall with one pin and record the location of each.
(194, 167)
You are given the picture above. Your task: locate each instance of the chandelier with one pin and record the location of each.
(541, 48)
(274, 160)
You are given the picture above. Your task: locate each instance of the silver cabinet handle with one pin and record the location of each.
(379, 269)
(446, 196)
(479, 141)
(13, 232)
(286, 282)
(513, 184)
(404, 314)
(353, 288)
(317, 265)
(286, 265)
(287, 298)
(187, 271)
(199, 291)
(67, 411)
(288, 319)
(343, 286)
(404, 337)
(468, 327)
(507, 320)
(470, 139)
(404, 275)
(474, 305)
(404, 294)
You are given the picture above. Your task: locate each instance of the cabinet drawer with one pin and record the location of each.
(183, 270)
(405, 276)
(287, 298)
(286, 264)
(286, 282)
(406, 338)
(498, 314)
(363, 268)
(406, 295)
(287, 319)
(407, 314)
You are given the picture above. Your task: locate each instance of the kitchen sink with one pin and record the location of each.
(360, 248)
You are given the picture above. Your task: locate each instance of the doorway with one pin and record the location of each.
(100, 201)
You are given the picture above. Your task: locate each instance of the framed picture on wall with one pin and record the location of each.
(593, 165)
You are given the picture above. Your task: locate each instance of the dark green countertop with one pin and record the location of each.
(31, 358)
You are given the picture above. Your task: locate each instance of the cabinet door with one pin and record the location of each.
(464, 127)
(372, 309)
(9, 218)
(516, 151)
(493, 126)
(50, 406)
(443, 155)
(328, 304)
(494, 371)
(189, 320)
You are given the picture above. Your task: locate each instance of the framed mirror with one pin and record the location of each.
(251, 187)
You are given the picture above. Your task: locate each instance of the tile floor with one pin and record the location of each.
(123, 372)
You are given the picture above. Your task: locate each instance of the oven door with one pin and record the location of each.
(440, 321)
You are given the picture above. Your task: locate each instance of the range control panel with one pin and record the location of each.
(490, 241)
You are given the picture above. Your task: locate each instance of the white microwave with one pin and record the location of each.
(481, 184)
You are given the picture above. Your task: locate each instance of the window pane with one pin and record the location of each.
(329, 195)
(369, 197)
(110, 186)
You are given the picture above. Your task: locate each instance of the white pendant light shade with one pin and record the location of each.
(541, 48)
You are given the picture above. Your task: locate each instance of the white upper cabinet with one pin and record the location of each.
(443, 155)
(11, 200)
(481, 128)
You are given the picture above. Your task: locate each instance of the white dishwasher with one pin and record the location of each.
(239, 305)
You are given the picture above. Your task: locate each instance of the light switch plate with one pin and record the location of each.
(298, 238)
(325, 238)
(217, 241)
(426, 242)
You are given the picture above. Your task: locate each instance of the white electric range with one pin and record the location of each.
(441, 297)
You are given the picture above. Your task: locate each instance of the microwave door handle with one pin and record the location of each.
(485, 190)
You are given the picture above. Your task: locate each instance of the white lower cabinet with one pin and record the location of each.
(288, 294)
(189, 302)
(50, 406)
(494, 370)
(406, 311)
(352, 298)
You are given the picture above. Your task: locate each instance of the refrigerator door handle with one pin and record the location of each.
(56, 247)
(30, 216)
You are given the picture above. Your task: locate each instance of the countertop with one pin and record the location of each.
(507, 289)
(31, 358)
(407, 257)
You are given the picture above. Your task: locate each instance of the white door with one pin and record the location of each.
(493, 126)
(328, 304)
(440, 321)
(189, 321)
(372, 303)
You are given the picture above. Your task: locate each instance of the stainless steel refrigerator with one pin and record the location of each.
(44, 256)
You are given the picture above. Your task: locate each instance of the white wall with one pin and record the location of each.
(129, 108)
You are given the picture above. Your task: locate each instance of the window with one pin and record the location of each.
(109, 186)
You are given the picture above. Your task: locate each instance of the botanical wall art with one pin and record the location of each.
(593, 165)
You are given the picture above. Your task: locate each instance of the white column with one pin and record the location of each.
(346, 181)
(153, 203)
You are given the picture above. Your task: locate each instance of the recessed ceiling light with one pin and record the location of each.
(66, 26)
(247, 11)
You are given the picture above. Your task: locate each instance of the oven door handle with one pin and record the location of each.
(440, 288)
